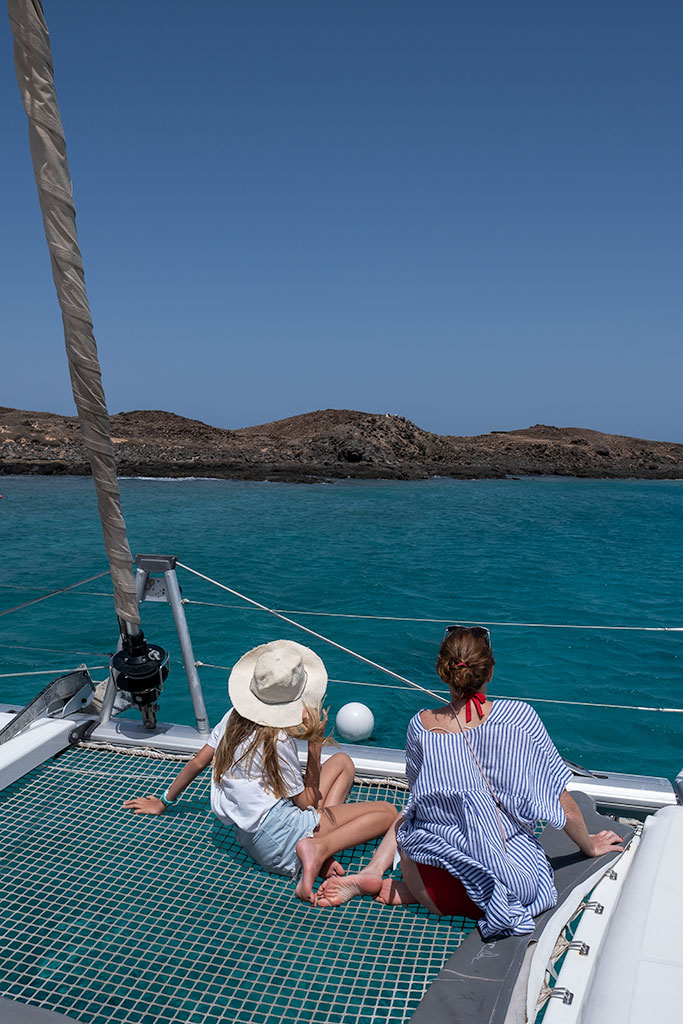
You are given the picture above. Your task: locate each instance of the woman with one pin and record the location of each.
(482, 774)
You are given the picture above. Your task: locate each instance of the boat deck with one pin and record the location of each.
(106, 916)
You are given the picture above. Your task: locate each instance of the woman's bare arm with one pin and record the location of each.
(311, 795)
(153, 804)
(591, 845)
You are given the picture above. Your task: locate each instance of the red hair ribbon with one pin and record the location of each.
(462, 664)
(477, 699)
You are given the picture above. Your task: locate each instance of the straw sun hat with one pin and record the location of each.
(271, 684)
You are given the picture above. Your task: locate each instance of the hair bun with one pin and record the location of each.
(465, 661)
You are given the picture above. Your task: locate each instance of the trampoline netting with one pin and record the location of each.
(108, 916)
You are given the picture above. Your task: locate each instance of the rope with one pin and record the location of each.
(442, 694)
(162, 755)
(408, 618)
(390, 782)
(53, 593)
(114, 748)
(311, 632)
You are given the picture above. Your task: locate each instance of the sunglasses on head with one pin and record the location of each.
(475, 630)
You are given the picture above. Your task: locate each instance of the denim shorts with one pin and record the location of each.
(273, 844)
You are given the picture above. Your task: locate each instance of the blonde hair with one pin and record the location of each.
(240, 730)
(465, 660)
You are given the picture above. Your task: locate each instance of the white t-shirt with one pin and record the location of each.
(240, 798)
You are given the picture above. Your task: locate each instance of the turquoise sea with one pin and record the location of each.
(556, 551)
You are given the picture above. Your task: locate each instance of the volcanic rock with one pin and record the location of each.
(327, 444)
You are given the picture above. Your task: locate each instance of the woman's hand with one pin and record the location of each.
(603, 842)
(592, 845)
(145, 805)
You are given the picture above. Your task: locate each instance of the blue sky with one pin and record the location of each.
(468, 213)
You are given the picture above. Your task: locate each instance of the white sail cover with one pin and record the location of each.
(33, 63)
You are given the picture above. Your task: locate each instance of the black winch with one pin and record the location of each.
(139, 669)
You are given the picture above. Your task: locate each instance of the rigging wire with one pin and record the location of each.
(30, 590)
(311, 632)
(358, 615)
(56, 650)
(283, 615)
(442, 694)
(53, 593)
(48, 671)
(443, 622)
(382, 668)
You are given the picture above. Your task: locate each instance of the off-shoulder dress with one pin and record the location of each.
(451, 819)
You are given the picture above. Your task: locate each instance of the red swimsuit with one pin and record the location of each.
(447, 892)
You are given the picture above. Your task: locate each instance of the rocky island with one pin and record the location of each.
(328, 444)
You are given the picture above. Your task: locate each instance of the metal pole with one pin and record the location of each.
(175, 601)
(110, 692)
(107, 701)
(141, 577)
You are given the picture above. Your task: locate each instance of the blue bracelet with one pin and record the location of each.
(165, 798)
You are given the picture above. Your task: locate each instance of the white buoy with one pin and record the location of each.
(355, 722)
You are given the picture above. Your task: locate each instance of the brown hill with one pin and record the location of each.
(330, 443)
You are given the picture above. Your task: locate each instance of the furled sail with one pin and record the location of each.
(33, 63)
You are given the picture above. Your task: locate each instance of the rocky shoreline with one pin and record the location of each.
(326, 445)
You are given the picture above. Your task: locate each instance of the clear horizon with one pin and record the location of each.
(469, 217)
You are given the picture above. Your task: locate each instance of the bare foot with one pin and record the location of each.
(336, 891)
(330, 868)
(395, 893)
(308, 852)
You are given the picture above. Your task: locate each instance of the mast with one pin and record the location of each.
(138, 668)
(35, 76)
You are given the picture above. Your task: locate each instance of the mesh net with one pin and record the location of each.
(106, 916)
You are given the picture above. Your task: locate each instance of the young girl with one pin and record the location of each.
(286, 823)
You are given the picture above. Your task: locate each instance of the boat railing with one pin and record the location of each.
(285, 615)
(156, 581)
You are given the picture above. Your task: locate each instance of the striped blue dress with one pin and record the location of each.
(450, 820)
